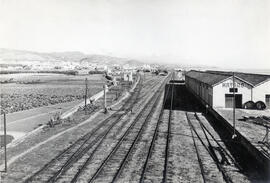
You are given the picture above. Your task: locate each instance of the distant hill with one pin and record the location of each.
(21, 57)
(9, 56)
(98, 59)
(73, 56)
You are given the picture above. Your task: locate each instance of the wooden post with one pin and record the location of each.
(144, 76)
(105, 106)
(85, 97)
(234, 135)
(5, 141)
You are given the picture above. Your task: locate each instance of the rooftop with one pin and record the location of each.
(213, 77)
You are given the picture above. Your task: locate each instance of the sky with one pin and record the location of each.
(222, 33)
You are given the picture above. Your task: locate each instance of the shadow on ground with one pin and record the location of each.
(185, 101)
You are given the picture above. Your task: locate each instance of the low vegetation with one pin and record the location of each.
(69, 72)
(30, 92)
(18, 102)
(96, 72)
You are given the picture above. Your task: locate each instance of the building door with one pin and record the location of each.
(267, 101)
(238, 100)
(229, 100)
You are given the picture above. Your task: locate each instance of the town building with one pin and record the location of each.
(215, 88)
(128, 76)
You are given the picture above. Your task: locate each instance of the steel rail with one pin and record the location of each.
(124, 161)
(104, 135)
(89, 158)
(84, 139)
(153, 139)
(151, 88)
(223, 149)
(122, 137)
(197, 152)
(165, 172)
(77, 143)
(81, 153)
(213, 156)
(74, 179)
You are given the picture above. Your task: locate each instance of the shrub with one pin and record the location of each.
(96, 72)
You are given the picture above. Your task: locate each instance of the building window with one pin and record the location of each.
(235, 90)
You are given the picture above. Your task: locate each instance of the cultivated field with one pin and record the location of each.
(26, 91)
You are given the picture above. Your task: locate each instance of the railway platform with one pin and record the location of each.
(252, 133)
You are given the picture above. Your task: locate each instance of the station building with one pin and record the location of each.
(216, 87)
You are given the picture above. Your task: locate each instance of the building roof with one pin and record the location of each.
(214, 77)
(253, 79)
(204, 77)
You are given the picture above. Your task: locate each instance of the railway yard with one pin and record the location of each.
(146, 91)
(144, 137)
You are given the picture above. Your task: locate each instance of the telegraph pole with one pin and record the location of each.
(105, 106)
(85, 97)
(5, 141)
(234, 135)
(144, 76)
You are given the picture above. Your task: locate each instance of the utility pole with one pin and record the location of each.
(234, 135)
(105, 106)
(5, 141)
(144, 76)
(85, 97)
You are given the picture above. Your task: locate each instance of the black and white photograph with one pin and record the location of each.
(135, 91)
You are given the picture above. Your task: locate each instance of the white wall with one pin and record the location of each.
(260, 91)
(128, 76)
(223, 88)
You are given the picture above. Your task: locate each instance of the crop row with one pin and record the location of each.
(12, 103)
(23, 98)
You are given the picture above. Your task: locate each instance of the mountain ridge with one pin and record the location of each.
(12, 56)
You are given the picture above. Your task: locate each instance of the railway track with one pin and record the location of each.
(207, 149)
(150, 86)
(142, 146)
(105, 153)
(79, 152)
(52, 170)
(219, 154)
(146, 151)
(150, 150)
(112, 166)
(165, 172)
(198, 155)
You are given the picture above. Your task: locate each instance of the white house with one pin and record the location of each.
(216, 88)
(128, 76)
